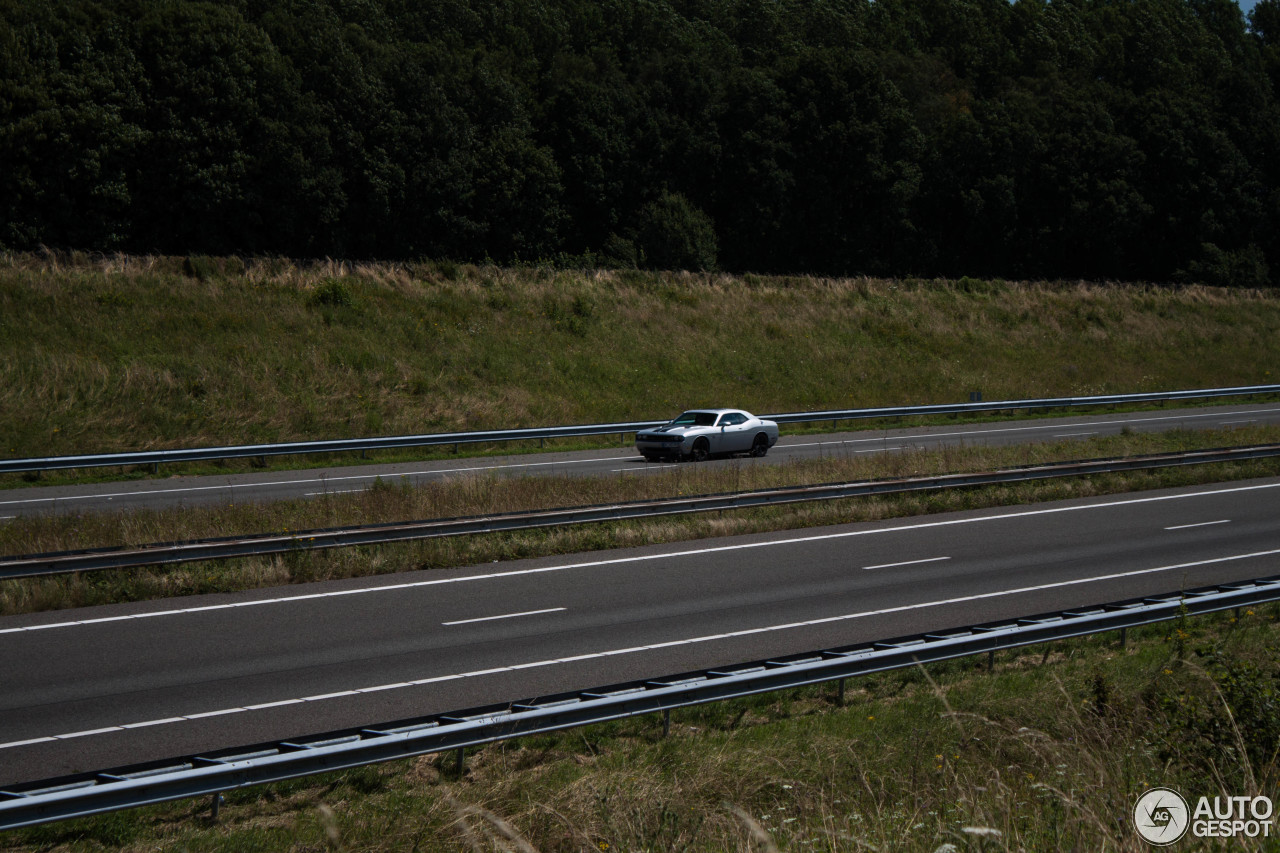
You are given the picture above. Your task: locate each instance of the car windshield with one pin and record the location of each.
(695, 419)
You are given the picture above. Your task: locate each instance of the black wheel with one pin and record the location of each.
(760, 446)
(701, 450)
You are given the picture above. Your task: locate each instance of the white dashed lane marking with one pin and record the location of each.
(637, 649)
(504, 616)
(1199, 524)
(906, 563)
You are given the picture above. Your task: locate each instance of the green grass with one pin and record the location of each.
(1047, 752)
(136, 353)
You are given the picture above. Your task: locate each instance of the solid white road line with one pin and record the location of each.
(1038, 427)
(504, 616)
(325, 479)
(1198, 524)
(590, 564)
(906, 563)
(826, 620)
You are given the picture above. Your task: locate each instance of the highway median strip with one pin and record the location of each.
(167, 553)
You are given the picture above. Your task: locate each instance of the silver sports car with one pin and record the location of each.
(700, 433)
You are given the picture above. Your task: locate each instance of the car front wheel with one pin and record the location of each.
(701, 450)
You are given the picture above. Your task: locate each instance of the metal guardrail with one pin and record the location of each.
(161, 457)
(165, 553)
(214, 773)
(1042, 403)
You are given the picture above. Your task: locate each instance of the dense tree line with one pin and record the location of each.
(1126, 139)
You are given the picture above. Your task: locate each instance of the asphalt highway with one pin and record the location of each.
(270, 486)
(98, 687)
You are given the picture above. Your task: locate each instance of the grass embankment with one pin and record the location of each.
(387, 502)
(1048, 752)
(134, 353)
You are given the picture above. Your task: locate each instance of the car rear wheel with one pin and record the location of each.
(701, 450)
(760, 446)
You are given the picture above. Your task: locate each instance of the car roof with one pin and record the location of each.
(715, 411)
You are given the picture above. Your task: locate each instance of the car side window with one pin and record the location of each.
(733, 419)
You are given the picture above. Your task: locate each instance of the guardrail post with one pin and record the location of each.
(666, 722)
(1123, 636)
(459, 756)
(991, 660)
(155, 467)
(840, 692)
(213, 806)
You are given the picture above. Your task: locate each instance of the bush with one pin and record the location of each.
(1216, 267)
(968, 284)
(332, 293)
(675, 235)
(1233, 705)
(449, 270)
(201, 267)
(619, 253)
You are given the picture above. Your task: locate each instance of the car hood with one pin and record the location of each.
(670, 429)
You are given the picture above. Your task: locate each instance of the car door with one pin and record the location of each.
(736, 435)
